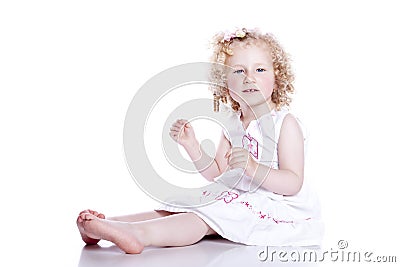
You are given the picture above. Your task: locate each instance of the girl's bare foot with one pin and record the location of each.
(79, 222)
(125, 235)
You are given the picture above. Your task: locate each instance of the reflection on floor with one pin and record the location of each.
(208, 252)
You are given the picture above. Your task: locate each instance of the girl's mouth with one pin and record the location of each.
(251, 90)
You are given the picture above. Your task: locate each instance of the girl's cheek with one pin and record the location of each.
(233, 84)
(232, 92)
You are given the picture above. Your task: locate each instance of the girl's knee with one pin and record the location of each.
(208, 229)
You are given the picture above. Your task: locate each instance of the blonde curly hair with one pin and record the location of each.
(222, 44)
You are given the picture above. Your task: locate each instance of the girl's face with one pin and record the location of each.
(251, 77)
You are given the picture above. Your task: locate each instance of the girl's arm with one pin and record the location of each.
(208, 167)
(182, 132)
(288, 179)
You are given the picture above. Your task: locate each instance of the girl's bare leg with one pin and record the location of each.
(144, 216)
(125, 218)
(132, 237)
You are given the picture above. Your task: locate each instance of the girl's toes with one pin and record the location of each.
(101, 216)
(95, 213)
(88, 216)
(84, 211)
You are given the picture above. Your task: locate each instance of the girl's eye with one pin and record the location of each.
(260, 70)
(238, 71)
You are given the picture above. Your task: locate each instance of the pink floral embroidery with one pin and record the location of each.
(251, 143)
(227, 196)
(246, 204)
(266, 216)
(262, 216)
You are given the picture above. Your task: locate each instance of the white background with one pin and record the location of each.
(69, 69)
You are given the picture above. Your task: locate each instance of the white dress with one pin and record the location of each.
(249, 214)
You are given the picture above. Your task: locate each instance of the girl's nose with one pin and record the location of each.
(249, 79)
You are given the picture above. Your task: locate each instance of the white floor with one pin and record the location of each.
(208, 252)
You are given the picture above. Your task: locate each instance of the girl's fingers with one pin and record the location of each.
(178, 127)
(239, 160)
(238, 149)
(175, 126)
(173, 129)
(181, 122)
(235, 154)
(238, 165)
(173, 136)
(234, 166)
(173, 133)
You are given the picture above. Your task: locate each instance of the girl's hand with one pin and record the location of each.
(182, 132)
(240, 158)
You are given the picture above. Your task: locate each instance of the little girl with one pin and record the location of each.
(262, 149)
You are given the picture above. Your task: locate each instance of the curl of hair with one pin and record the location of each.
(222, 50)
